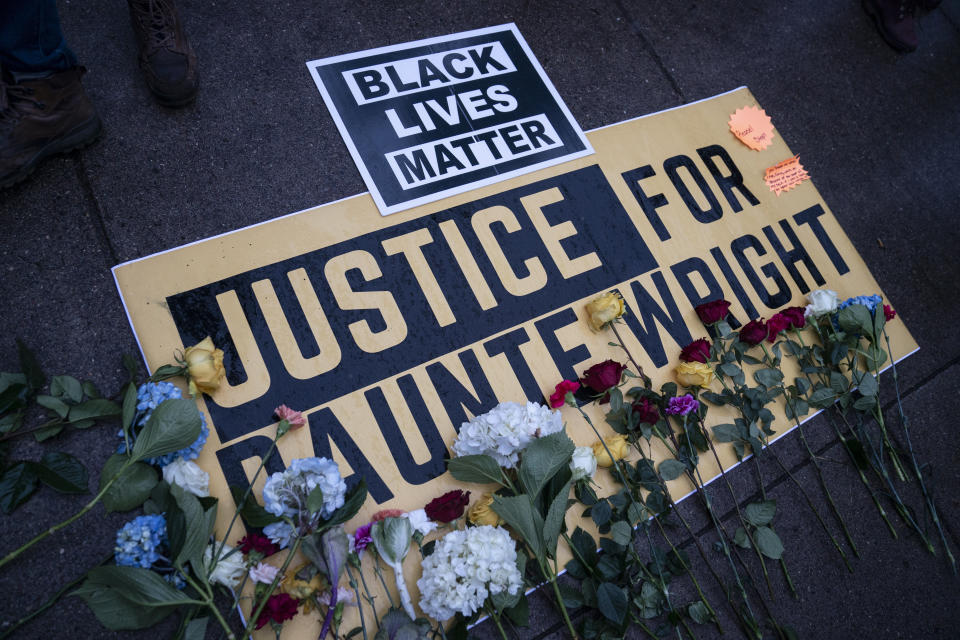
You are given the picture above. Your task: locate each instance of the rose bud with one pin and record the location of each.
(712, 312)
(602, 376)
(696, 351)
(777, 323)
(204, 367)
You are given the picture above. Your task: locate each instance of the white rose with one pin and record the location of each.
(420, 522)
(822, 301)
(583, 463)
(230, 568)
(188, 476)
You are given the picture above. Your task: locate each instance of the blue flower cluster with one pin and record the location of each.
(139, 541)
(870, 302)
(149, 396)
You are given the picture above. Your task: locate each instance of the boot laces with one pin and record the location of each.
(157, 19)
(12, 98)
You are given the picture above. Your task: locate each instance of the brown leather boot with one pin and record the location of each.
(41, 117)
(166, 57)
(895, 21)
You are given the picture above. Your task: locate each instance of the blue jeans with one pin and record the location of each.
(30, 37)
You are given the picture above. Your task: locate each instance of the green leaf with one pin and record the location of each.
(803, 385)
(173, 425)
(768, 542)
(90, 390)
(66, 387)
(49, 432)
(584, 545)
(601, 513)
(196, 629)
(726, 432)
(866, 403)
(16, 485)
(621, 532)
(741, 539)
(30, 367)
(62, 472)
(572, 598)
(838, 382)
(672, 469)
(480, 469)
(354, 499)
(554, 520)
(523, 518)
(95, 409)
(867, 385)
(856, 319)
(56, 405)
(822, 398)
(760, 513)
(12, 397)
(139, 586)
(768, 377)
(730, 369)
(699, 612)
(542, 459)
(874, 357)
(133, 486)
(612, 602)
(116, 612)
(251, 512)
(616, 400)
(315, 500)
(196, 533)
(520, 612)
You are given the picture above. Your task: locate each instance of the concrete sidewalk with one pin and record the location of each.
(876, 130)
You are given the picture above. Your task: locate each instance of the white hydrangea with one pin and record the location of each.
(285, 492)
(506, 430)
(189, 476)
(465, 568)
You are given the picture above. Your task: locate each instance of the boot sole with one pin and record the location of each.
(79, 137)
(878, 21)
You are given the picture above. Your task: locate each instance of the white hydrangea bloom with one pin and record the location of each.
(189, 476)
(465, 568)
(285, 492)
(506, 430)
(230, 568)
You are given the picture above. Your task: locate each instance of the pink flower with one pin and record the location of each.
(361, 537)
(263, 572)
(557, 399)
(295, 418)
(888, 313)
(387, 513)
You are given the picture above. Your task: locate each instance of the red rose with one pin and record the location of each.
(777, 323)
(712, 312)
(696, 351)
(795, 316)
(889, 313)
(279, 607)
(257, 543)
(447, 507)
(647, 411)
(601, 377)
(557, 400)
(754, 332)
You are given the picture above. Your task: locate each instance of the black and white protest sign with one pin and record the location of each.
(428, 119)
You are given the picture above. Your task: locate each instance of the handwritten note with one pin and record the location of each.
(785, 175)
(753, 127)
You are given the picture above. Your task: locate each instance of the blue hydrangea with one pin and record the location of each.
(140, 540)
(149, 396)
(176, 580)
(870, 302)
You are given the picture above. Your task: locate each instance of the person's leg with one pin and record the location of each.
(166, 57)
(30, 37)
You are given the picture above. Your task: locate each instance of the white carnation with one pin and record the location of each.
(465, 568)
(230, 568)
(583, 463)
(420, 522)
(285, 492)
(506, 430)
(822, 302)
(188, 476)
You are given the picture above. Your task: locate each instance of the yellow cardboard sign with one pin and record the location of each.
(388, 333)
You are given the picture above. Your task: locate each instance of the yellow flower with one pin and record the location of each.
(692, 374)
(604, 309)
(304, 590)
(618, 446)
(481, 513)
(204, 367)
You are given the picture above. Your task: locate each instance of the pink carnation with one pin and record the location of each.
(295, 418)
(263, 572)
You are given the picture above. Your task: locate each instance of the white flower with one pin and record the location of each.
(822, 302)
(420, 522)
(280, 534)
(583, 463)
(285, 492)
(465, 568)
(230, 567)
(189, 476)
(263, 572)
(506, 430)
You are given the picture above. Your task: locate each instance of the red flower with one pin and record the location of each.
(279, 608)
(777, 323)
(647, 411)
(557, 399)
(754, 332)
(795, 316)
(696, 351)
(258, 544)
(601, 377)
(712, 312)
(888, 313)
(447, 507)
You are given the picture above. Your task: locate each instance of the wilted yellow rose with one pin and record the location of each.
(604, 309)
(618, 446)
(204, 366)
(303, 590)
(693, 374)
(481, 513)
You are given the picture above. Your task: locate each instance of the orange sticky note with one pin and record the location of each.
(785, 175)
(752, 125)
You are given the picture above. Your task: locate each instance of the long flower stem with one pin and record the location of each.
(209, 603)
(763, 495)
(623, 345)
(496, 619)
(356, 591)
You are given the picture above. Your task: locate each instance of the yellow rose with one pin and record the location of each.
(692, 374)
(481, 513)
(303, 590)
(204, 367)
(618, 446)
(604, 309)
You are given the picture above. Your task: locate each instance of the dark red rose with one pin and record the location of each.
(447, 507)
(696, 351)
(888, 313)
(254, 543)
(279, 608)
(795, 316)
(647, 411)
(601, 377)
(754, 332)
(712, 312)
(777, 323)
